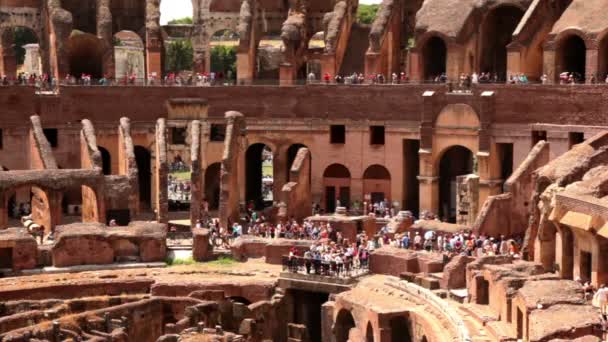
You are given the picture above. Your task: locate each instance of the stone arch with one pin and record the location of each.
(129, 55)
(336, 187)
(212, 185)
(22, 17)
(571, 54)
(400, 331)
(106, 160)
(16, 43)
(458, 115)
(85, 54)
(453, 161)
(223, 46)
(344, 323)
(143, 158)
(496, 33)
(434, 57)
(377, 183)
(258, 190)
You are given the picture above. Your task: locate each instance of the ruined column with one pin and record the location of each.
(197, 176)
(247, 50)
(104, 32)
(154, 44)
(127, 164)
(296, 194)
(32, 65)
(229, 184)
(161, 200)
(59, 29)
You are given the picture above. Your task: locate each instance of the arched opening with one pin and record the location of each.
(85, 55)
(344, 323)
(212, 185)
(259, 176)
(336, 183)
(292, 152)
(399, 329)
(369, 333)
(571, 57)
(603, 59)
(144, 167)
(223, 56)
(434, 57)
(106, 160)
(129, 56)
(456, 161)
(20, 53)
(497, 32)
(268, 58)
(377, 184)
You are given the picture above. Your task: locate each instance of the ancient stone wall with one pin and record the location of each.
(229, 184)
(297, 194)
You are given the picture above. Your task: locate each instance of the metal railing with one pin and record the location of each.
(346, 269)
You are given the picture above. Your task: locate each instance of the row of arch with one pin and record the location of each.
(337, 179)
(400, 328)
(496, 34)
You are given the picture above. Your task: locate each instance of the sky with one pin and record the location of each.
(175, 9)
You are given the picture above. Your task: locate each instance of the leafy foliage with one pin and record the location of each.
(223, 59)
(179, 56)
(181, 21)
(367, 13)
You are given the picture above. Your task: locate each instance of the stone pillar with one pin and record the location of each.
(373, 64)
(328, 65)
(161, 174)
(154, 44)
(287, 74)
(415, 67)
(104, 32)
(229, 184)
(279, 172)
(550, 67)
(592, 65)
(32, 64)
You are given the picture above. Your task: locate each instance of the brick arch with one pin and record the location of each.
(570, 31)
(23, 17)
(458, 115)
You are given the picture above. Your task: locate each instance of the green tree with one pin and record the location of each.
(367, 13)
(179, 56)
(223, 59)
(181, 21)
(22, 36)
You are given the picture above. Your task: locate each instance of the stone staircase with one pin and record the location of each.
(481, 319)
